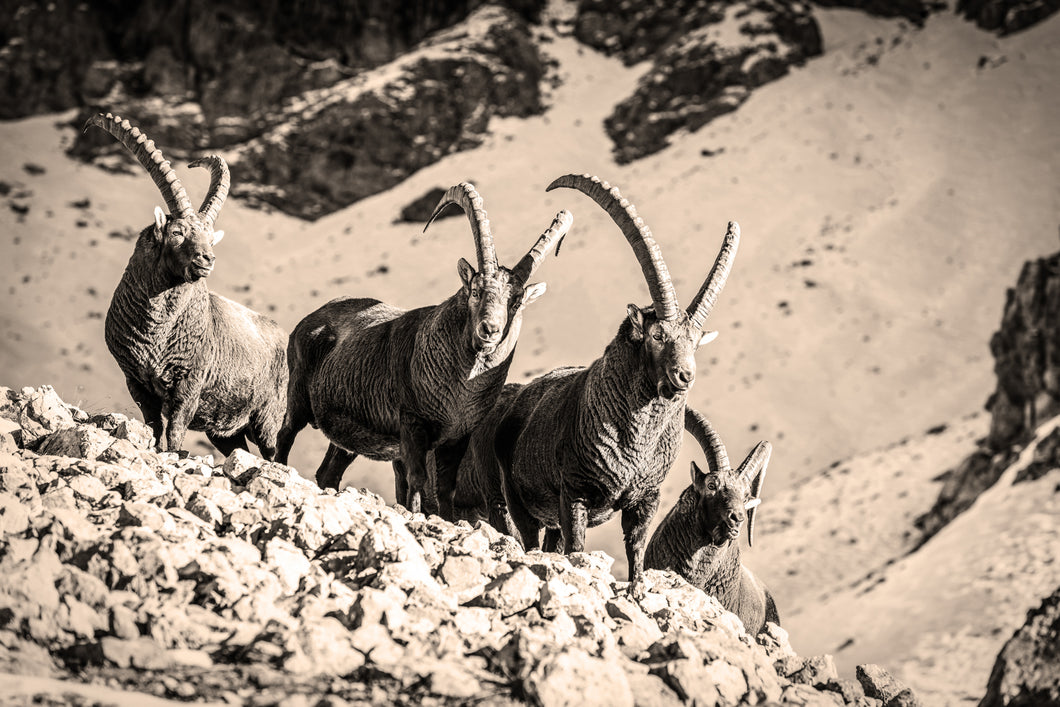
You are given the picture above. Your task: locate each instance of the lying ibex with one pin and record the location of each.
(577, 444)
(700, 537)
(392, 384)
(199, 360)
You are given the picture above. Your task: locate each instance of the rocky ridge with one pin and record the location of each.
(1026, 350)
(1027, 671)
(244, 582)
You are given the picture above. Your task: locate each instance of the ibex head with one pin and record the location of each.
(667, 336)
(183, 239)
(496, 295)
(725, 498)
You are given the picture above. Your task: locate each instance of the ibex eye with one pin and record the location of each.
(657, 336)
(712, 485)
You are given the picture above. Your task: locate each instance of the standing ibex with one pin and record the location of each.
(199, 360)
(577, 444)
(700, 537)
(392, 384)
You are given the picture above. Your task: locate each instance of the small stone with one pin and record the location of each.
(205, 509)
(880, 684)
(288, 562)
(573, 678)
(87, 487)
(137, 652)
(815, 670)
(123, 623)
(512, 592)
(145, 515)
(82, 442)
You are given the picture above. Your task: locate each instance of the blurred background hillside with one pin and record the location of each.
(892, 166)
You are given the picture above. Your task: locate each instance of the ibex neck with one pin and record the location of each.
(448, 344)
(621, 400)
(149, 293)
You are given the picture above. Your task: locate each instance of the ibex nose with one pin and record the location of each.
(489, 330)
(683, 377)
(206, 258)
(735, 517)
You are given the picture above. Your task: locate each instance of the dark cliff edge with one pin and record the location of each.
(1026, 350)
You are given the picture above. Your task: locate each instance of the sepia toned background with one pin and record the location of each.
(892, 166)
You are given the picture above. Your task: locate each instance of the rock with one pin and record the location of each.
(880, 684)
(87, 487)
(571, 677)
(915, 11)
(288, 562)
(512, 592)
(816, 670)
(82, 441)
(348, 135)
(42, 413)
(1007, 16)
(1027, 670)
(419, 210)
(146, 515)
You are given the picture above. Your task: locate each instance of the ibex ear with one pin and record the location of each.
(707, 337)
(467, 273)
(699, 479)
(636, 318)
(532, 292)
(160, 221)
(217, 236)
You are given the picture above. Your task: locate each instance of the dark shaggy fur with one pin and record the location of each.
(700, 539)
(191, 357)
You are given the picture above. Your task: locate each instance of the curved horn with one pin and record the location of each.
(707, 296)
(555, 233)
(220, 181)
(709, 440)
(754, 470)
(624, 214)
(465, 196)
(150, 157)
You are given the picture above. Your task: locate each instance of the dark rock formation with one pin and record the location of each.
(420, 209)
(1026, 353)
(1027, 671)
(344, 136)
(331, 147)
(915, 11)
(243, 581)
(707, 58)
(1007, 16)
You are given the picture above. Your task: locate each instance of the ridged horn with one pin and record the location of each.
(220, 181)
(624, 214)
(150, 157)
(465, 196)
(753, 469)
(709, 440)
(524, 269)
(707, 296)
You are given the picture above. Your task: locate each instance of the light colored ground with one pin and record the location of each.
(888, 194)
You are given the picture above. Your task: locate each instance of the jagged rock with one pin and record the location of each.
(40, 412)
(571, 677)
(707, 58)
(337, 145)
(512, 592)
(1007, 16)
(82, 441)
(880, 684)
(1026, 351)
(1046, 458)
(1027, 670)
(296, 591)
(914, 10)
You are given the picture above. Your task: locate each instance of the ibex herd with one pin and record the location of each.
(425, 388)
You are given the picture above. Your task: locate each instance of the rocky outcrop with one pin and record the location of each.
(331, 147)
(1027, 671)
(319, 136)
(915, 11)
(707, 57)
(1007, 16)
(243, 581)
(1026, 353)
(233, 58)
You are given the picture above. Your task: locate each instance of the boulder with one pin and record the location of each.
(1027, 670)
